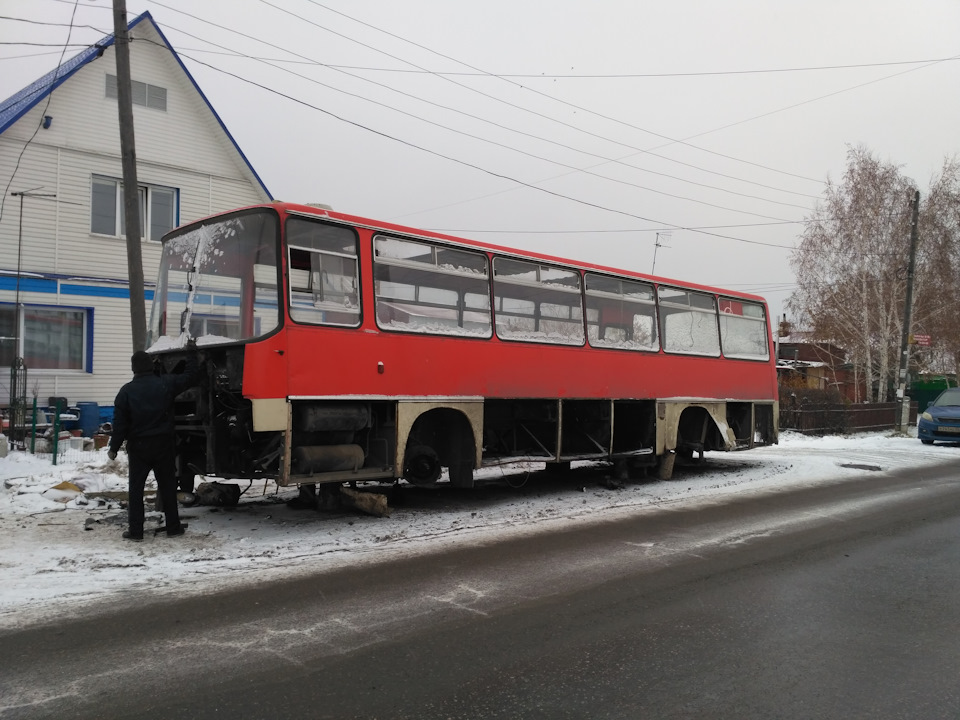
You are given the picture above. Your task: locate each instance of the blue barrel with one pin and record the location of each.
(89, 418)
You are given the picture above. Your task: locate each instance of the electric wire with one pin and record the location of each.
(823, 97)
(518, 150)
(43, 44)
(534, 155)
(30, 55)
(473, 165)
(628, 76)
(460, 231)
(53, 82)
(675, 226)
(527, 184)
(545, 159)
(48, 24)
(637, 150)
(547, 95)
(573, 169)
(556, 76)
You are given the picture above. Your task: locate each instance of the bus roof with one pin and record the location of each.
(355, 220)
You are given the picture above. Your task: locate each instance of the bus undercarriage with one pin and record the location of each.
(314, 441)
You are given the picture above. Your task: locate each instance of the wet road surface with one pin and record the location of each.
(836, 601)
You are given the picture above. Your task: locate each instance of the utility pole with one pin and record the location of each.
(656, 246)
(18, 367)
(907, 320)
(22, 194)
(128, 154)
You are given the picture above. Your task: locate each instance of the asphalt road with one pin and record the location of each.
(841, 601)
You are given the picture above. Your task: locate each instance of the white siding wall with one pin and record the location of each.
(183, 148)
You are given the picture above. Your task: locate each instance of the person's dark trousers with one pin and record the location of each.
(155, 453)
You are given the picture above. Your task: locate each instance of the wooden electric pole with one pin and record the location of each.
(128, 155)
(904, 421)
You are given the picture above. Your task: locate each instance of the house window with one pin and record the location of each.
(51, 338)
(158, 209)
(151, 96)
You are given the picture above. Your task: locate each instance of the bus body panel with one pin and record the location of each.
(349, 363)
(314, 403)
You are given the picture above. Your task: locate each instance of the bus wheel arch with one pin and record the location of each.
(448, 433)
(689, 427)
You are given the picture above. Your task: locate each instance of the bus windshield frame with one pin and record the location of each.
(218, 282)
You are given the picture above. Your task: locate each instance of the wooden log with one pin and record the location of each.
(369, 503)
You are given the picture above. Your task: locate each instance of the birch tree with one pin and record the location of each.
(938, 314)
(851, 267)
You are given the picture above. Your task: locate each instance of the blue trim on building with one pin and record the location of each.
(49, 286)
(206, 299)
(94, 291)
(28, 284)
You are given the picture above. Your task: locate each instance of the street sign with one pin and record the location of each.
(923, 340)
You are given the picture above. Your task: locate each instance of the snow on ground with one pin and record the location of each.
(62, 553)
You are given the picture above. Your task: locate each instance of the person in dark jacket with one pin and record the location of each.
(143, 415)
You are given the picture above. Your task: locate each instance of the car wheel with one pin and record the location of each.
(926, 442)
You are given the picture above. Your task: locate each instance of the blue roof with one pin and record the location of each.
(20, 103)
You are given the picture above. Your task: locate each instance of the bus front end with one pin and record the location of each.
(218, 283)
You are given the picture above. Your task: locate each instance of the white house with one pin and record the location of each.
(64, 294)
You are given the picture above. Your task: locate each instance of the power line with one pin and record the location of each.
(43, 44)
(557, 76)
(475, 91)
(522, 183)
(50, 24)
(472, 165)
(481, 139)
(436, 153)
(822, 97)
(559, 195)
(307, 61)
(546, 95)
(616, 76)
(520, 107)
(460, 231)
(53, 82)
(671, 140)
(31, 55)
(572, 168)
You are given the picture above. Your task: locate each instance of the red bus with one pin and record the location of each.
(341, 349)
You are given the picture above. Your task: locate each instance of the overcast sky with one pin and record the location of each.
(587, 130)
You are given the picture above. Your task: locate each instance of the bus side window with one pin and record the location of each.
(688, 322)
(323, 273)
(743, 330)
(621, 313)
(537, 303)
(432, 289)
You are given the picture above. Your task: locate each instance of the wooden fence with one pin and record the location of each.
(827, 419)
